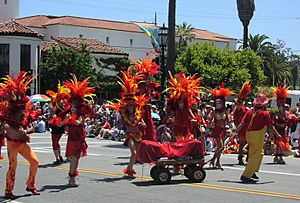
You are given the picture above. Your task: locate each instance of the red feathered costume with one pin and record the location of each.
(79, 92)
(220, 115)
(147, 69)
(17, 114)
(282, 121)
(183, 91)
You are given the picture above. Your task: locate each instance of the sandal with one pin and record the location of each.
(130, 173)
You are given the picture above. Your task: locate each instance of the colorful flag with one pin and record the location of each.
(152, 33)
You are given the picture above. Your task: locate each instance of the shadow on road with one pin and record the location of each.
(272, 163)
(111, 180)
(121, 164)
(121, 146)
(3, 199)
(55, 188)
(152, 183)
(240, 182)
(123, 157)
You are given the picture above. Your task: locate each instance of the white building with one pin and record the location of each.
(21, 39)
(19, 50)
(9, 9)
(120, 35)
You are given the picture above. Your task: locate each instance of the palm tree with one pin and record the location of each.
(185, 34)
(259, 44)
(171, 35)
(263, 48)
(245, 9)
(280, 69)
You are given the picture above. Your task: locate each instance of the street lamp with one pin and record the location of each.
(162, 40)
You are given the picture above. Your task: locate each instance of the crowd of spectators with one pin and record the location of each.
(107, 124)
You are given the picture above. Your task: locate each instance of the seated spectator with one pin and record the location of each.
(41, 125)
(104, 130)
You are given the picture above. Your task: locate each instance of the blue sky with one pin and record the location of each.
(278, 19)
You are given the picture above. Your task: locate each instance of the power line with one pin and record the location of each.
(135, 8)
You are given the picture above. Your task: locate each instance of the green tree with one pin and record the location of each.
(59, 63)
(262, 47)
(185, 34)
(280, 64)
(216, 65)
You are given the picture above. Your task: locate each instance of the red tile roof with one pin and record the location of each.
(16, 29)
(46, 46)
(41, 21)
(93, 45)
(207, 35)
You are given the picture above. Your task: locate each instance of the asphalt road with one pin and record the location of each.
(101, 180)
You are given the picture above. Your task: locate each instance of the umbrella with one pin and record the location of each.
(155, 116)
(39, 98)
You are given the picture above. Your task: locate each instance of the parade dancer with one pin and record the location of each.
(238, 115)
(282, 121)
(57, 115)
(256, 122)
(78, 96)
(130, 107)
(220, 118)
(182, 91)
(198, 127)
(146, 69)
(17, 114)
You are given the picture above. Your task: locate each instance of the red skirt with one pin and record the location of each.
(219, 132)
(2, 142)
(76, 145)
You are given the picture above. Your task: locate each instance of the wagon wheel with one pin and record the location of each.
(153, 172)
(187, 171)
(162, 176)
(197, 174)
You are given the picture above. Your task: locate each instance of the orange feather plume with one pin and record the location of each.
(146, 67)
(182, 87)
(13, 90)
(281, 93)
(245, 91)
(79, 90)
(221, 91)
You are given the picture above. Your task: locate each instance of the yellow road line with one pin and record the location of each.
(199, 185)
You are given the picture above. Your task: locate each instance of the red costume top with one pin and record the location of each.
(182, 125)
(148, 132)
(220, 118)
(259, 121)
(238, 116)
(280, 123)
(76, 145)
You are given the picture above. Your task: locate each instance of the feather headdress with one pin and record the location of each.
(244, 92)
(13, 90)
(281, 93)
(79, 90)
(146, 67)
(62, 94)
(129, 85)
(221, 91)
(185, 88)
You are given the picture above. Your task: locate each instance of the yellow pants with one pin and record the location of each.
(255, 140)
(13, 148)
